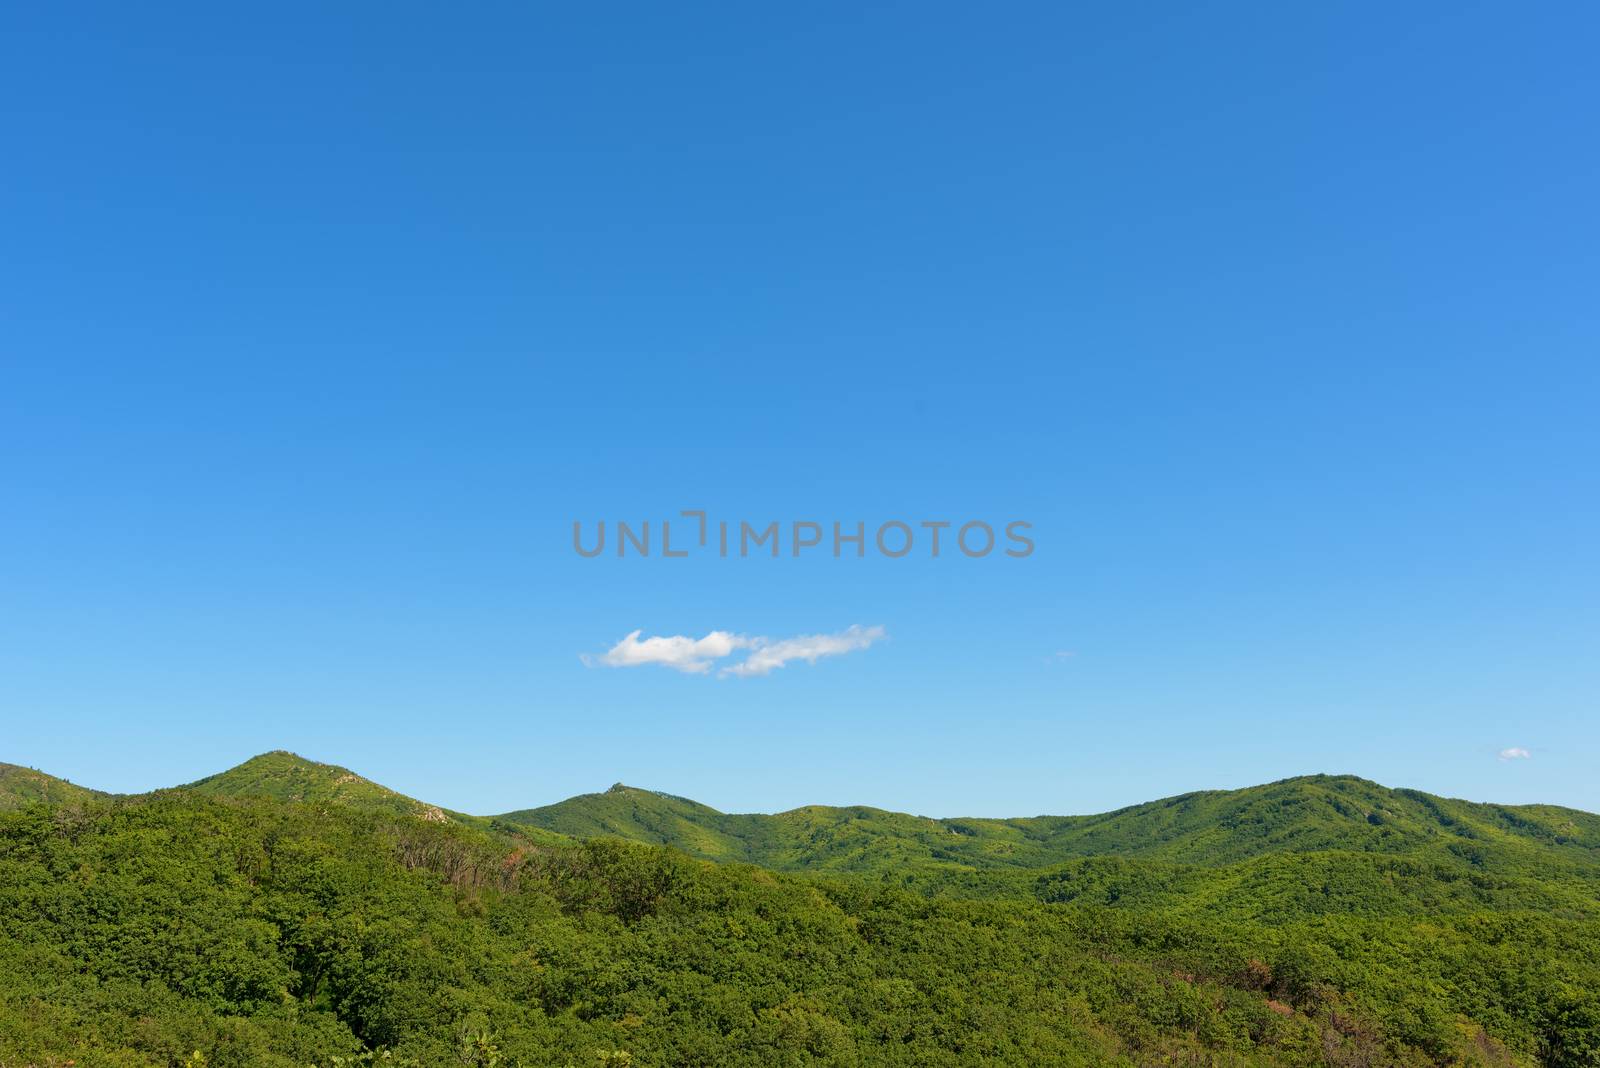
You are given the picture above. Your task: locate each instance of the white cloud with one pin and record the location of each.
(694, 656)
(1516, 752)
(769, 656)
(680, 653)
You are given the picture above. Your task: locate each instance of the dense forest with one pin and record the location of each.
(287, 913)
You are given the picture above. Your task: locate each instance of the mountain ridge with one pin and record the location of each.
(1302, 814)
(1296, 815)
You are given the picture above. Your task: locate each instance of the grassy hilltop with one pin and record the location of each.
(284, 776)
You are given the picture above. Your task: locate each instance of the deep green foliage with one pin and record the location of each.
(287, 927)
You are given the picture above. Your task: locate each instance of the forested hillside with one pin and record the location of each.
(25, 786)
(286, 915)
(285, 776)
(1308, 814)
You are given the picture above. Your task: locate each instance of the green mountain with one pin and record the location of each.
(1303, 815)
(285, 776)
(327, 920)
(21, 786)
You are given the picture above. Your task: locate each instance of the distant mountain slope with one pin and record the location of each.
(21, 786)
(285, 776)
(1324, 814)
(1303, 815)
(1316, 813)
(647, 816)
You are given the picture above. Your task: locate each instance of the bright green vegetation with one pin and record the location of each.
(1310, 814)
(20, 787)
(284, 776)
(282, 914)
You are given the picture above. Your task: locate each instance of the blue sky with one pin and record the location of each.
(319, 328)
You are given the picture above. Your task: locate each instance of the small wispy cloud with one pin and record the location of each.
(1516, 752)
(770, 656)
(695, 656)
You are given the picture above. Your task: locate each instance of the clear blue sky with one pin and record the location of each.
(320, 325)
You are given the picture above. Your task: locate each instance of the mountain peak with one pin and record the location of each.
(286, 776)
(285, 758)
